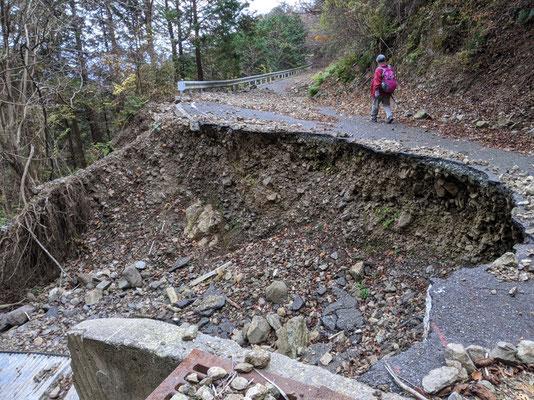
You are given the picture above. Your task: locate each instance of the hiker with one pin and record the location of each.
(382, 88)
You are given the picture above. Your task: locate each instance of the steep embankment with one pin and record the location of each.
(464, 63)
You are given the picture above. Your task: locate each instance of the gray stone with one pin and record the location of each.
(210, 303)
(123, 284)
(405, 219)
(190, 333)
(482, 124)
(292, 336)
(204, 393)
(357, 271)
(16, 317)
(321, 290)
(239, 383)
(217, 373)
(132, 275)
(180, 263)
(258, 358)
(422, 114)
(457, 352)
(184, 302)
(274, 321)
(103, 285)
(256, 392)
(84, 279)
(504, 351)
(462, 372)
(326, 359)
(525, 351)
(259, 330)
(93, 297)
(171, 294)
(454, 396)
(244, 367)
(276, 292)
(476, 352)
(297, 304)
(508, 259)
(488, 385)
(329, 322)
(179, 396)
(349, 319)
(140, 265)
(439, 378)
(235, 396)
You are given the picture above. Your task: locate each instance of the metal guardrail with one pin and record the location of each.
(234, 83)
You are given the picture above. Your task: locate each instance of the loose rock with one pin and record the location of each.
(258, 330)
(276, 292)
(258, 358)
(439, 378)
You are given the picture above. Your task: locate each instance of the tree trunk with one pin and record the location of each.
(197, 42)
(78, 143)
(170, 28)
(149, 32)
(91, 115)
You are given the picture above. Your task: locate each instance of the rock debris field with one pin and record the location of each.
(249, 252)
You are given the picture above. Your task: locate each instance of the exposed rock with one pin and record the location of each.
(405, 219)
(190, 333)
(212, 301)
(276, 292)
(506, 260)
(201, 220)
(274, 321)
(476, 352)
(244, 367)
(217, 373)
(123, 284)
(297, 304)
(457, 352)
(171, 294)
(462, 372)
(180, 263)
(439, 378)
(140, 265)
(454, 396)
(357, 271)
(104, 285)
(93, 297)
(259, 330)
(505, 352)
(525, 351)
(239, 383)
(326, 359)
(292, 336)
(16, 317)
(132, 275)
(256, 392)
(258, 358)
(422, 114)
(83, 279)
(482, 124)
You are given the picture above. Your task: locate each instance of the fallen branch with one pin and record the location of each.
(46, 251)
(4, 306)
(209, 274)
(402, 385)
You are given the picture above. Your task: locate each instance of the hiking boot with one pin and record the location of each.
(390, 120)
(372, 119)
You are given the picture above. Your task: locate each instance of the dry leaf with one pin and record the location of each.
(477, 375)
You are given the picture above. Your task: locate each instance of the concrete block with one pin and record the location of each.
(119, 358)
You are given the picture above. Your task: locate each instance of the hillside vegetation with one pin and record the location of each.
(464, 61)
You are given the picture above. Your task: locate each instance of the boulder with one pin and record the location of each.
(505, 352)
(259, 330)
(292, 336)
(132, 276)
(457, 352)
(506, 260)
(439, 378)
(276, 292)
(476, 352)
(201, 220)
(525, 351)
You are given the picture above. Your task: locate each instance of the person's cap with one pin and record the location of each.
(381, 58)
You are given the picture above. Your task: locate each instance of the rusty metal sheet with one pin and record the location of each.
(29, 375)
(199, 362)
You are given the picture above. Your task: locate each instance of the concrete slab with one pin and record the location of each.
(128, 358)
